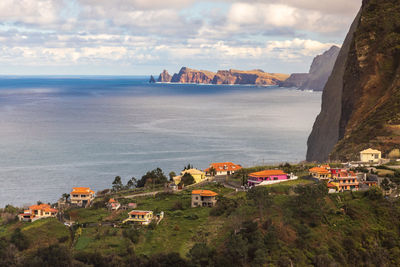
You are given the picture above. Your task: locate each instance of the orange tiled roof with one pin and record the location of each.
(81, 190)
(319, 170)
(330, 185)
(224, 166)
(139, 212)
(204, 193)
(267, 173)
(43, 207)
(112, 200)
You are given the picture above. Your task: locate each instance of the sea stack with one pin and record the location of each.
(164, 77)
(152, 80)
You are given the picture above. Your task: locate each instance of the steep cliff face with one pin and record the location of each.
(318, 75)
(325, 132)
(187, 75)
(164, 77)
(361, 101)
(152, 80)
(295, 80)
(321, 69)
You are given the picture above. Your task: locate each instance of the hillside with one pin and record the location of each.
(361, 101)
(277, 225)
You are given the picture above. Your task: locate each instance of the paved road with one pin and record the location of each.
(143, 194)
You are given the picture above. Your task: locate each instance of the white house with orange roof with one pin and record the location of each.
(112, 204)
(222, 168)
(81, 196)
(36, 212)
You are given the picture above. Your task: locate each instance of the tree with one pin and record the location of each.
(171, 176)
(261, 197)
(154, 177)
(187, 179)
(385, 184)
(212, 171)
(131, 183)
(117, 184)
(66, 196)
(201, 255)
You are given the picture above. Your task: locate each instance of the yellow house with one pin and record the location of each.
(370, 155)
(140, 216)
(198, 175)
(320, 173)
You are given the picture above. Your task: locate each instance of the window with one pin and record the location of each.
(275, 178)
(376, 156)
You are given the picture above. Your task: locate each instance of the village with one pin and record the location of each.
(351, 176)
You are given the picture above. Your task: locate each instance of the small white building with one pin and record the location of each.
(370, 155)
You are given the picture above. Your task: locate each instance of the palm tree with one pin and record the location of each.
(66, 196)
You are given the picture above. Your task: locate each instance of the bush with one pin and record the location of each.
(132, 234)
(19, 239)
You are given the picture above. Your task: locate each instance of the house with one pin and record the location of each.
(347, 181)
(197, 175)
(267, 177)
(112, 204)
(203, 198)
(320, 173)
(36, 212)
(370, 155)
(143, 217)
(222, 168)
(82, 196)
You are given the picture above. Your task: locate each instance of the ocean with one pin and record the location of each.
(61, 132)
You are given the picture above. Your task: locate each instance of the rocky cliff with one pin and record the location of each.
(318, 75)
(320, 70)
(361, 100)
(187, 75)
(164, 77)
(258, 77)
(152, 80)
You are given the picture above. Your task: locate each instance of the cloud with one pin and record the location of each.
(248, 33)
(30, 11)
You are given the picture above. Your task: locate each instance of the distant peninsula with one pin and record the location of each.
(255, 77)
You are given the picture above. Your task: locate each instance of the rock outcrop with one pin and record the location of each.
(361, 100)
(152, 80)
(257, 77)
(318, 75)
(187, 75)
(164, 77)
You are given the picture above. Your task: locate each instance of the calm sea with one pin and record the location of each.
(60, 132)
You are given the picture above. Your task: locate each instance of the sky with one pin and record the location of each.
(143, 37)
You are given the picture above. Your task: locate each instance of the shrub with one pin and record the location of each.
(19, 239)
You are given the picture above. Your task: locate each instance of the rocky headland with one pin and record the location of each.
(256, 77)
